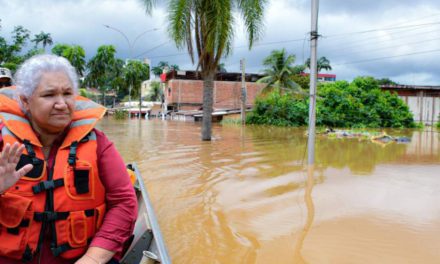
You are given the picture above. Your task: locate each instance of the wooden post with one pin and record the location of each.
(243, 92)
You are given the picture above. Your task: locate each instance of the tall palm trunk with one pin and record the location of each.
(208, 87)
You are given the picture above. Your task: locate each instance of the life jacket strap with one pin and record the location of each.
(56, 251)
(16, 230)
(49, 216)
(27, 255)
(46, 185)
(72, 153)
(31, 152)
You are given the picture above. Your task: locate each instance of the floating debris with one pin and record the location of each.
(376, 137)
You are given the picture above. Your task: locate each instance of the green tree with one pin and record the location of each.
(322, 64)
(221, 68)
(155, 93)
(76, 55)
(10, 52)
(386, 81)
(278, 73)
(44, 38)
(101, 69)
(358, 104)
(158, 69)
(135, 72)
(59, 49)
(206, 28)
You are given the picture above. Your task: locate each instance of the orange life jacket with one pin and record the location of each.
(68, 198)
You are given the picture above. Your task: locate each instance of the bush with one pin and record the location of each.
(83, 92)
(121, 114)
(360, 104)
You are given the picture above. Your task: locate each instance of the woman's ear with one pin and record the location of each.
(25, 103)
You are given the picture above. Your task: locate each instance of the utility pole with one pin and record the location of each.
(243, 91)
(313, 79)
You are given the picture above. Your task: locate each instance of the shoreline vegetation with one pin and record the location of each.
(359, 104)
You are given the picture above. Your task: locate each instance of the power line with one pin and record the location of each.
(158, 46)
(380, 29)
(390, 47)
(375, 42)
(369, 40)
(389, 57)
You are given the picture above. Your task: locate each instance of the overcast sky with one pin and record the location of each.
(396, 39)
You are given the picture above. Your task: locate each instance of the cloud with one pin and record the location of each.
(353, 32)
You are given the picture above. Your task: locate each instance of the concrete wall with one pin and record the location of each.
(188, 94)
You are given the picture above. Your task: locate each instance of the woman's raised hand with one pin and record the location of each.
(8, 161)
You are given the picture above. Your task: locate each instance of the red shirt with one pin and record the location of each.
(120, 200)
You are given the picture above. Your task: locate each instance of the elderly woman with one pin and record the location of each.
(65, 196)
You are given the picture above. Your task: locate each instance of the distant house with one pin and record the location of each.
(184, 90)
(423, 101)
(323, 77)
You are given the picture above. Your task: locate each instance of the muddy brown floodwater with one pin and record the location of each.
(246, 197)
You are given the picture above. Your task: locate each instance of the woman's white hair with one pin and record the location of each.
(29, 74)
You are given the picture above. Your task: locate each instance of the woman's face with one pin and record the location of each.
(52, 104)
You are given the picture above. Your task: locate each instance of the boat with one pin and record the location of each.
(147, 245)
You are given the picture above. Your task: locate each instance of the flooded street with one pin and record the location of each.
(246, 197)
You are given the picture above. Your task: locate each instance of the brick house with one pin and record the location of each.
(184, 90)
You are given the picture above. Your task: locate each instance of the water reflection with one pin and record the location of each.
(246, 197)
(297, 257)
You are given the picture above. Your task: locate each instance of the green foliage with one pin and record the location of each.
(135, 72)
(44, 38)
(10, 53)
(359, 104)
(302, 81)
(278, 72)
(419, 125)
(158, 69)
(59, 49)
(231, 121)
(83, 92)
(279, 110)
(121, 114)
(155, 93)
(322, 64)
(102, 69)
(386, 81)
(75, 54)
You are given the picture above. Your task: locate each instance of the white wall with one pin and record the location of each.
(425, 109)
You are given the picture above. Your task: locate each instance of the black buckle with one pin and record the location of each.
(46, 185)
(72, 154)
(49, 216)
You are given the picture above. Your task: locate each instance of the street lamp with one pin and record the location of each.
(130, 52)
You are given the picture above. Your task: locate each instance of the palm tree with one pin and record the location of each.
(322, 64)
(221, 68)
(44, 38)
(155, 93)
(59, 49)
(279, 71)
(101, 68)
(206, 27)
(135, 72)
(158, 69)
(76, 55)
